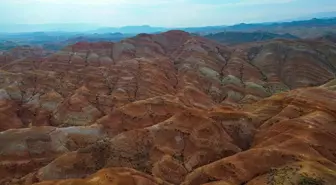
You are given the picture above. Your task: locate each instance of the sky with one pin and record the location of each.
(168, 13)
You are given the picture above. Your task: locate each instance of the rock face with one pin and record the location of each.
(170, 108)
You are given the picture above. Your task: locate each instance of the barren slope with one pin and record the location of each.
(170, 108)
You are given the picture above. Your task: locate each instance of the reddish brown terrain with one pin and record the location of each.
(169, 109)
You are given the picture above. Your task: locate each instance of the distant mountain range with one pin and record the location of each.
(304, 29)
(55, 40)
(279, 25)
(231, 35)
(316, 20)
(149, 29)
(130, 29)
(294, 27)
(19, 28)
(233, 38)
(320, 15)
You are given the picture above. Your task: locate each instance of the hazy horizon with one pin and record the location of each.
(157, 13)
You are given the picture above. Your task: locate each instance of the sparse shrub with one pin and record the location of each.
(305, 180)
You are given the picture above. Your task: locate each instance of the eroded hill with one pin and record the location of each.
(170, 108)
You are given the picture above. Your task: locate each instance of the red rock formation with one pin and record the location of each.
(120, 176)
(26, 150)
(295, 130)
(179, 108)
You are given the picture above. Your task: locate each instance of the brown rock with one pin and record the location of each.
(26, 150)
(109, 176)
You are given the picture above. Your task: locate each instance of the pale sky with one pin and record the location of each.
(169, 13)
